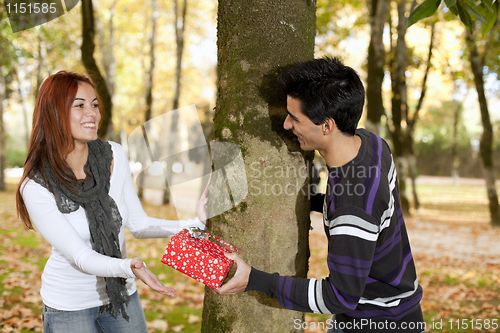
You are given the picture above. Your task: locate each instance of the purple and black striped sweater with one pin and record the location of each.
(372, 273)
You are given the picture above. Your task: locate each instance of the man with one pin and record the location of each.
(372, 286)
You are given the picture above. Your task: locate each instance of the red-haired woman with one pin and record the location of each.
(77, 191)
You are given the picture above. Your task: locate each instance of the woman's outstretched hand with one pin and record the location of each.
(142, 272)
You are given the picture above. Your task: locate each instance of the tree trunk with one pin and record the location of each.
(256, 40)
(376, 60)
(3, 150)
(412, 169)
(457, 110)
(411, 122)
(25, 114)
(107, 49)
(42, 55)
(486, 144)
(93, 71)
(179, 25)
(149, 83)
(399, 105)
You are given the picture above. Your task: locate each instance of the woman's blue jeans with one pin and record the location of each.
(89, 321)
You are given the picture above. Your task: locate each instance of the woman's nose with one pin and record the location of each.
(91, 112)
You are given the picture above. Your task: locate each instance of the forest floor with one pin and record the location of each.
(456, 252)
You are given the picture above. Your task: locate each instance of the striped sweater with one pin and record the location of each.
(372, 273)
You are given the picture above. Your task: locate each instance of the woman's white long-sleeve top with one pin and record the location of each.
(73, 276)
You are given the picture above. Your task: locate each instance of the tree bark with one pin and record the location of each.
(376, 60)
(179, 25)
(256, 40)
(411, 122)
(42, 55)
(149, 82)
(25, 114)
(486, 143)
(107, 49)
(399, 105)
(3, 150)
(457, 111)
(88, 46)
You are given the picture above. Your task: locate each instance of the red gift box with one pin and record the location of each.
(200, 256)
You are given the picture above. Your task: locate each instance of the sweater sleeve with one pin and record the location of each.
(55, 227)
(350, 253)
(317, 201)
(139, 223)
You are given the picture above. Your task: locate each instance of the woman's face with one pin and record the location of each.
(84, 114)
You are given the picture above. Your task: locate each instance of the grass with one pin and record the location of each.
(454, 288)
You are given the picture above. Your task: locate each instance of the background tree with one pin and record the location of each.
(88, 46)
(3, 150)
(399, 105)
(7, 56)
(42, 55)
(486, 12)
(179, 26)
(22, 102)
(400, 120)
(255, 40)
(486, 145)
(379, 14)
(411, 121)
(108, 58)
(149, 83)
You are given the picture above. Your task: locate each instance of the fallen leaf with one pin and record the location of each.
(193, 319)
(178, 328)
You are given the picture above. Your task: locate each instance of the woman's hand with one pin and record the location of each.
(142, 272)
(201, 208)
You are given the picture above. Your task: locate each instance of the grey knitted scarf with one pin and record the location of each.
(102, 213)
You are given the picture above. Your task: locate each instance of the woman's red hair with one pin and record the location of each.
(51, 139)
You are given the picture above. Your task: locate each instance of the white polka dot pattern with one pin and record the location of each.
(200, 259)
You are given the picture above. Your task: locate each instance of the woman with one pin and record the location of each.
(77, 191)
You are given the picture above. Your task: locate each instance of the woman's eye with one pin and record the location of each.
(79, 106)
(96, 105)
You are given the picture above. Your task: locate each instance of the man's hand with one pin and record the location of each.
(239, 281)
(142, 272)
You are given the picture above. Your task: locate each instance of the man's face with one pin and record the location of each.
(308, 134)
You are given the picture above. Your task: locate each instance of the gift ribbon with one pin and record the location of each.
(197, 233)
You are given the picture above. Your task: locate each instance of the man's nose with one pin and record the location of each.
(288, 123)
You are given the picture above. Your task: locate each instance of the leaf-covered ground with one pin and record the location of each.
(456, 251)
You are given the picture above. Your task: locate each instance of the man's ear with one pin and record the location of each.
(329, 126)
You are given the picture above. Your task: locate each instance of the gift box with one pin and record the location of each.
(199, 255)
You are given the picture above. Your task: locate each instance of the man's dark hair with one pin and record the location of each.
(326, 89)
